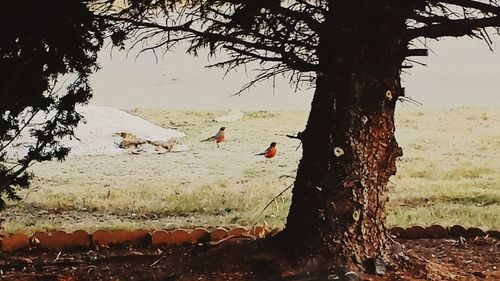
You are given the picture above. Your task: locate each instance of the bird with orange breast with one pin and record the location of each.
(218, 138)
(270, 151)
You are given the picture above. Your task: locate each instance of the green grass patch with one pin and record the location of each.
(448, 175)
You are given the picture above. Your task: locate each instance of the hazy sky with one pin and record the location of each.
(458, 72)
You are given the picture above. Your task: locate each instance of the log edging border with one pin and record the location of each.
(61, 240)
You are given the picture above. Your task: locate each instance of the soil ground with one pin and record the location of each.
(439, 259)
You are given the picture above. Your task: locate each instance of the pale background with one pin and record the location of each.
(459, 72)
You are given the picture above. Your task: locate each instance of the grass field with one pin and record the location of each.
(449, 174)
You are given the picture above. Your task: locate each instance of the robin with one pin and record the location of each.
(270, 151)
(219, 137)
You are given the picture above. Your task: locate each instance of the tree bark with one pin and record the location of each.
(349, 148)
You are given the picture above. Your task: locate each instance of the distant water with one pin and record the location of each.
(459, 72)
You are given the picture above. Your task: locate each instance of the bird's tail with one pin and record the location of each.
(209, 139)
(263, 153)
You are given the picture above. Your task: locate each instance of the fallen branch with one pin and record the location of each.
(157, 261)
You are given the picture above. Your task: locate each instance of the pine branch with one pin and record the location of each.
(454, 28)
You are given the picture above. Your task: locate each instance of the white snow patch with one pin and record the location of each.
(98, 135)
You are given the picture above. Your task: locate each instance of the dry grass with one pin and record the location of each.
(448, 175)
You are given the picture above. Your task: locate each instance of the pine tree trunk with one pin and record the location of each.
(349, 148)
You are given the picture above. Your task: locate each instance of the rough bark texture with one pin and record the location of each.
(349, 148)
